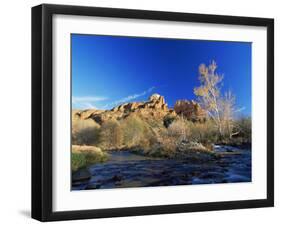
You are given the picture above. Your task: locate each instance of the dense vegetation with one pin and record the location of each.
(136, 132)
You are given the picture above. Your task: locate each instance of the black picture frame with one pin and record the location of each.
(42, 111)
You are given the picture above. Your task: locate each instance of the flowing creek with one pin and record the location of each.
(126, 169)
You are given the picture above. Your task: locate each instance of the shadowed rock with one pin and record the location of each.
(81, 175)
(191, 110)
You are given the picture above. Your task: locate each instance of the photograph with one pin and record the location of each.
(149, 111)
(141, 112)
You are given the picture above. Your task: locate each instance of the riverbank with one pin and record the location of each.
(83, 156)
(131, 169)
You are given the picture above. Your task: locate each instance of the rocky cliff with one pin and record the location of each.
(154, 109)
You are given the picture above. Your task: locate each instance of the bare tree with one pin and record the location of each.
(220, 109)
(209, 92)
(228, 109)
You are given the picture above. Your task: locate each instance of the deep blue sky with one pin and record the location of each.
(110, 70)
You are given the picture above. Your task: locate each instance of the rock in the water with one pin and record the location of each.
(116, 178)
(81, 175)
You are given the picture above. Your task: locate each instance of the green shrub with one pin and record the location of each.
(136, 132)
(166, 146)
(245, 129)
(183, 136)
(179, 129)
(205, 133)
(111, 135)
(85, 132)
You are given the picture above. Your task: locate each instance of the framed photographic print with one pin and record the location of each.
(145, 112)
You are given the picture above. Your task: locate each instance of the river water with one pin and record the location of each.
(126, 169)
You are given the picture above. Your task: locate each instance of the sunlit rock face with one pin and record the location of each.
(157, 101)
(155, 108)
(191, 110)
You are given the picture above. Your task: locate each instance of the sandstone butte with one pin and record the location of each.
(154, 109)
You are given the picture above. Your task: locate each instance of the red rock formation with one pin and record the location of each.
(191, 110)
(153, 109)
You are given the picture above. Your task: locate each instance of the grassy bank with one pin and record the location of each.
(83, 156)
